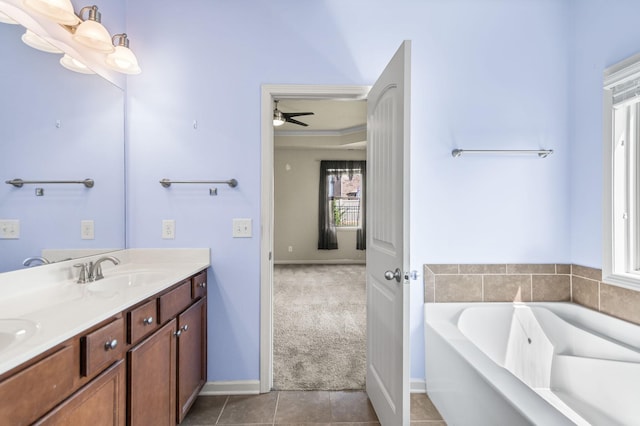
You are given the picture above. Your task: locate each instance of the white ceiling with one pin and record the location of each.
(329, 115)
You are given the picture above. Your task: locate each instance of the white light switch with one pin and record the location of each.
(86, 230)
(241, 228)
(9, 229)
(168, 229)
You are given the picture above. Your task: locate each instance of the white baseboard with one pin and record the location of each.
(236, 387)
(321, 262)
(252, 387)
(418, 386)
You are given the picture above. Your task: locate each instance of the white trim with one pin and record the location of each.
(322, 262)
(236, 387)
(341, 132)
(418, 386)
(269, 92)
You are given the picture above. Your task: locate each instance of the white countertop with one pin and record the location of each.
(49, 297)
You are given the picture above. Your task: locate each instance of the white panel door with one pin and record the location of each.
(388, 133)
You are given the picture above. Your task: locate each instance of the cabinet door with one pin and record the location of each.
(152, 383)
(192, 355)
(99, 403)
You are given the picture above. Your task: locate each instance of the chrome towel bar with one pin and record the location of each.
(18, 183)
(167, 182)
(542, 153)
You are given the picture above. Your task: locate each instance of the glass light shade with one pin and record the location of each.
(94, 35)
(6, 19)
(73, 64)
(60, 11)
(34, 40)
(278, 118)
(123, 60)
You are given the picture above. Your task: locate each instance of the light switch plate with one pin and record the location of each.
(10, 229)
(86, 229)
(242, 228)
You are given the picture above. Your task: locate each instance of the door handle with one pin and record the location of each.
(397, 275)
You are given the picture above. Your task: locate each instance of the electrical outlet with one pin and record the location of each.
(168, 229)
(290, 249)
(86, 230)
(10, 229)
(241, 228)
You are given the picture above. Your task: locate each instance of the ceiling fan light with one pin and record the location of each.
(34, 40)
(92, 33)
(75, 65)
(278, 118)
(60, 11)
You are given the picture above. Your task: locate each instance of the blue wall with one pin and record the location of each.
(485, 74)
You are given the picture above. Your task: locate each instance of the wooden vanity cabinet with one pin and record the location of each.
(168, 369)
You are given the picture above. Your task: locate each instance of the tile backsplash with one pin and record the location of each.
(529, 282)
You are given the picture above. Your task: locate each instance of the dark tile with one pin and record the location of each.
(205, 411)
(351, 407)
(585, 292)
(303, 407)
(587, 272)
(483, 269)
(422, 408)
(531, 268)
(249, 409)
(551, 288)
(459, 288)
(507, 288)
(620, 302)
(429, 285)
(443, 268)
(428, 423)
(563, 269)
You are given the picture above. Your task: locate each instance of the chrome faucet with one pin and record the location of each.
(29, 260)
(95, 268)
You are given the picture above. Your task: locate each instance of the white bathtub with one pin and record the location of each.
(535, 363)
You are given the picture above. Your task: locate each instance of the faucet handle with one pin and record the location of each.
(82, 278)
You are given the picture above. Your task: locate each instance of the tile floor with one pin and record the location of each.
(318, 408)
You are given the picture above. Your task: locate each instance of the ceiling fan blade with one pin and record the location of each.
(296, 114)
(294, 121)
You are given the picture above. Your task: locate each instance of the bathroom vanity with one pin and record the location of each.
(128, 349)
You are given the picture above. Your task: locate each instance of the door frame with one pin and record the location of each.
(269, 92)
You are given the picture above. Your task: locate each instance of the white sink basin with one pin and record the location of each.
(14, 331)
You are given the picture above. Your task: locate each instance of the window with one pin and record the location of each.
(344, 196)
(621, 237)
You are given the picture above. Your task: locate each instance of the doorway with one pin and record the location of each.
(319, 284)
(269, 94)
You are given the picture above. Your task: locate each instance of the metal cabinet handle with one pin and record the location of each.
(181, 330)
(202, 285)
(111, 345)
(147, 321)
(177, 333)
(185, 328)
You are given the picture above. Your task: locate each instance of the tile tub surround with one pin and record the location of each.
(529, 282)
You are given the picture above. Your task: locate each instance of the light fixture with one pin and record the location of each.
(92, 33)
(278, 117)
(60, 11)
(34, 40)
(73, 64)
(6, 19)
(123, 59)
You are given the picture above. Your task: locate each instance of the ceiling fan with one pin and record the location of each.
(279, 117)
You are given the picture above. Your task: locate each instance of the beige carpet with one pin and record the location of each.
(319, 327)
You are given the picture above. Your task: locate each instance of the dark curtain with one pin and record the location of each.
(361, 234)
(327, 236)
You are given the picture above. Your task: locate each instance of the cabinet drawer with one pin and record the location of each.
(199, 286)
(32, 392)
(142, 321)
(175, 301)
(102, 347)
